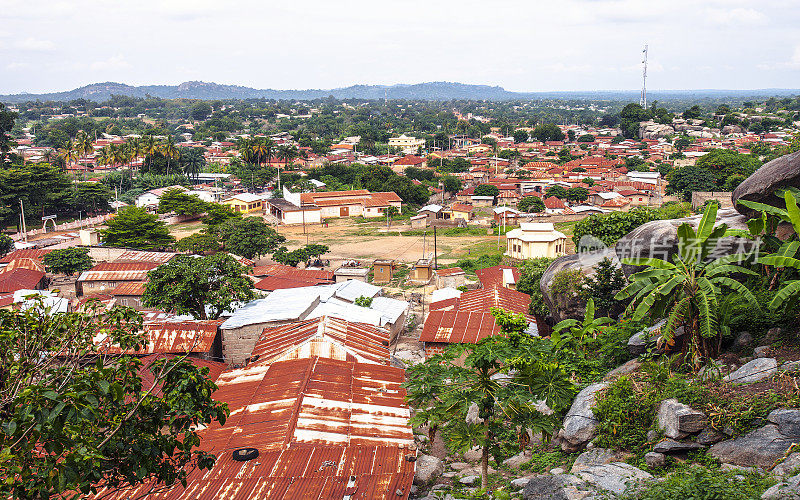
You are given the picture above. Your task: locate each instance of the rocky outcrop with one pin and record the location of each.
(788, 421)
(668, 446)
(786, 490)
(428, 468)
(759, 448)
(659, 238)
(580, 425)
(678, 420)
(563, 307)
(753, 371)
(780, 173)
(595, 456)
(653, 130)
(594, 482)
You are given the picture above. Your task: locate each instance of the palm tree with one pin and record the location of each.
(84, 145)
(149, 148)
(170, 151)
(68, 152)
(136, 148)
(106, 156)
(286, 153)
(245, 147)
(687, 290)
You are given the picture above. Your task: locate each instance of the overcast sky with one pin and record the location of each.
(528, 45)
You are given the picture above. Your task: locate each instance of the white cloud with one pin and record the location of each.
(736, 17)
(792, 63)
(35, 45)
(16, 66)
(114, 62)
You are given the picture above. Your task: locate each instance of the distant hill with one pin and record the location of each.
(201, 90)
(433, 91)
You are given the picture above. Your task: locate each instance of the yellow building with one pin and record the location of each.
(246, 203)
(535, 239)
(408, 144)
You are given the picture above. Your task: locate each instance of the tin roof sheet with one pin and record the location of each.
(173, 337)
(484, 299)
(19, 279)
(456, 327)
(325, 337)
(493, 276)
(118, 271)
(134, 256)
(293, 272)
(25, 253)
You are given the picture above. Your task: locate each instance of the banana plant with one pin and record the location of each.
(687, 290)
(574, 333)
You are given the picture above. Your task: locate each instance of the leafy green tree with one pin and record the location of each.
(682, 143)
(531, 204)
(473, 385)
(630, 117)
(69, 261)
(486, 190)
(571, 135)
(6, 244)
(200, 111)
(573, 333)
(217, 214)
(529, 282)
(520, 136)
(73, 423)
(133, 227)
(199, 243)
(363, 301)
(724, 163)
(608, 228)
(693, 112)
(586, 138)
(687, 290)
(547, 132)
(90, 196)
(451, 184)
(686, 180)
(559, 192)
(249, 237)
(577, 194)
(588, 181)
(603, 285)
(204, 287)
(180, 202)
(7, 119)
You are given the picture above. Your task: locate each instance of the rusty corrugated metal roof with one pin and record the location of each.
(285, 271)
(484, 299)
(456, 327)
(134, 256)
(493, 276)
(118, 271)
(25, 253)
(131, 288)
(327, 337)
(173, 337)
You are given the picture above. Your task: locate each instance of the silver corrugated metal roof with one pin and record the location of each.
(353, 289)
(444, 294)
(277, 307)
(390, 309)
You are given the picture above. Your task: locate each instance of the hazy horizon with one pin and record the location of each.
(533, 46)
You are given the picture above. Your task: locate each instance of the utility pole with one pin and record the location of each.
(643, 97)
(435, 256)
(22, 218)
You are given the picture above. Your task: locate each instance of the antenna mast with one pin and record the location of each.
(643, 97)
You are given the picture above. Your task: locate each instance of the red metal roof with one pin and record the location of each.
(456, 327)
(498, 296)
(25, 253)
(19, 279)
(450, 271)
(134, 288)
(214, 368)
(133, 256)
(325, 337)
(174, 337)
(493, 276)
(272, 283)
(293, 272)
(118, 271)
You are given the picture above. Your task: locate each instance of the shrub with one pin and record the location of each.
(567, 281)
(700, 483)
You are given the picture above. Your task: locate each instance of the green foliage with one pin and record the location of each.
(71, 424)
(363, 301)
(567, 282)
(90, 196)
(201, 286)
(724, 163)
(198, 243)
(451, 184)
(577, 194)
(547, 132)
(181, 203)
(630, 117)
(133, 227)
(6, 244)
(520, 136)
(69, 261)
(531, 273)
(217, 213)
(557, 191)
(608, 228)
(304, 254)
(486, 190)
(687, 291)
(249, 237)
(603, 285)
(542, 460)
(481, 262)
(686, 180)
(700, 483)
(531, 204)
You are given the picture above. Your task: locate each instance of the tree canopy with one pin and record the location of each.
(249, 237)
(76, 422)
(204, 287)
(547, 132)
(486, 190)
(531, 204)
(68, 261)
(180, 202)
(133, 227)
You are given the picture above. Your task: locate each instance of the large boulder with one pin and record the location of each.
(678, 420)
(561, 306)
(788, 421)
(659, 238)
(753, 371)
(595, 456)
(558, 487)
(789, 489)
(759, 448)
(614, 477)
(780, 173)
(428, 468)
(580, 425)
